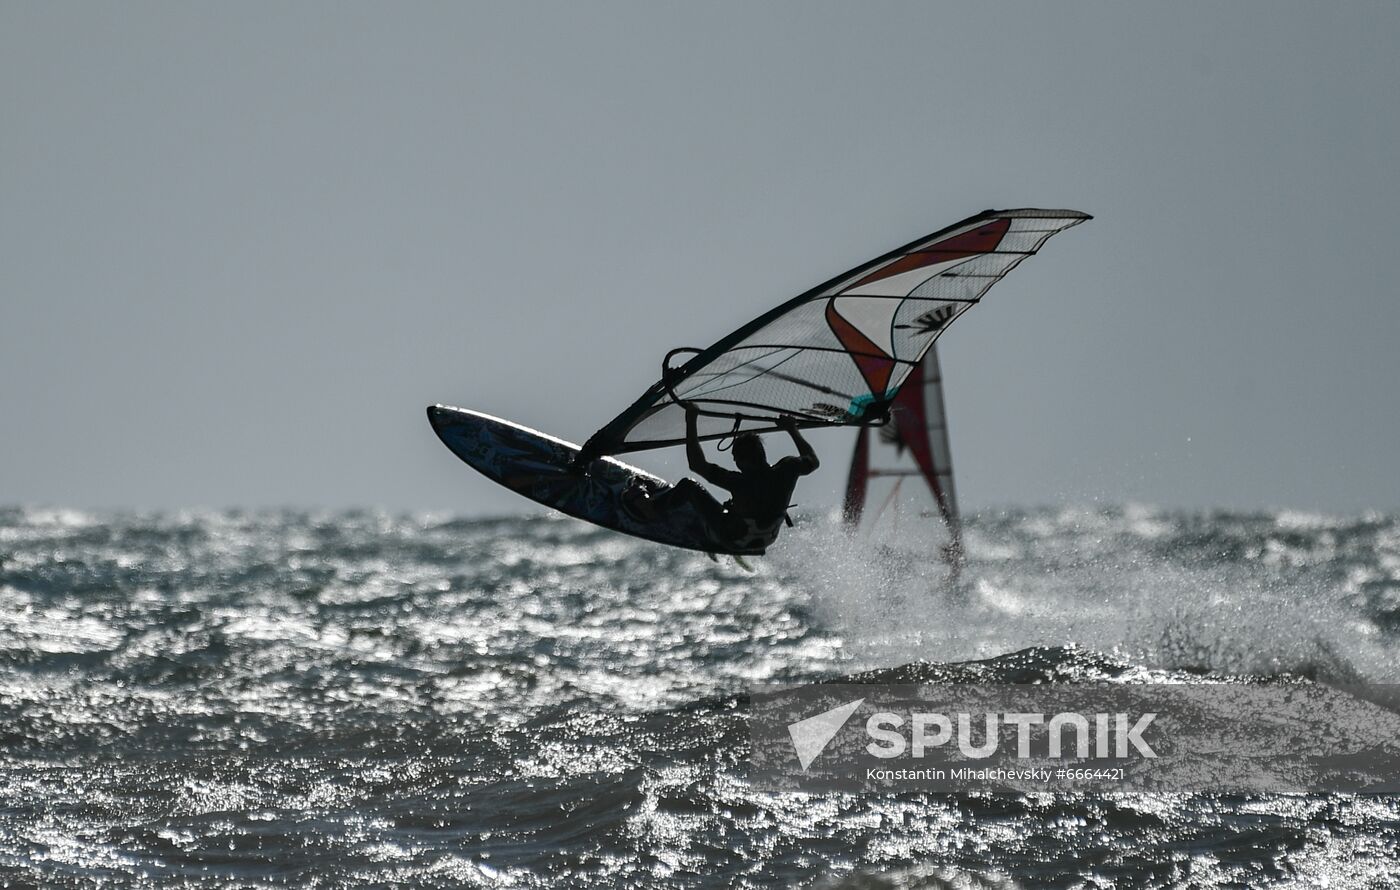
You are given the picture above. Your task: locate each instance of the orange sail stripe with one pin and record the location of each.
(874, 366)
(983, 239)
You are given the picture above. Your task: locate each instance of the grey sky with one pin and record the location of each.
(243, 245)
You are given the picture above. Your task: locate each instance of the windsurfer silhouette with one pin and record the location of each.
(759, 492)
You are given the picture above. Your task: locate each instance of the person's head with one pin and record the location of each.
(749, 453)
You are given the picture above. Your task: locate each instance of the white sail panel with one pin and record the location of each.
(838, 354)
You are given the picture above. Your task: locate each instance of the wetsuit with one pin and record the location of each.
(759, 498)
(753, 515)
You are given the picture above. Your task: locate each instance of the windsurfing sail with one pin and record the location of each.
(838, 354)
(906, 473)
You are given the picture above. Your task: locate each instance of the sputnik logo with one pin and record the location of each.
(811, 736)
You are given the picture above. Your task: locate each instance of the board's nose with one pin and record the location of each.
(436, 415)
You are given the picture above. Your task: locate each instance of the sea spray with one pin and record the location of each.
(1142, 582)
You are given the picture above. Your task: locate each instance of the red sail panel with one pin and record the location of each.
(876, 366)
(913, 444)
(858, 479)
(981, 240)
(912, 416)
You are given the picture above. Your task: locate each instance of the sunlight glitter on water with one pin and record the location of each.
(363, 698)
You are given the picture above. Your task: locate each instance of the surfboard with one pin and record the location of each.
(541, 467)
(837, 355)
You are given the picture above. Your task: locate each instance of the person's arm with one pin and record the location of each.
(806, 457)
(699, 464)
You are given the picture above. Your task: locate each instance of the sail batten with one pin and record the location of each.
(839, 354)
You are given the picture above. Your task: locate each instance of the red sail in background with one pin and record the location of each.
(913, 446)
(858, 478)
(914, 428)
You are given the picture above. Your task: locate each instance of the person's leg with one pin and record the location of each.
(688, 491)
(643, 498)
(647, 503)
(656, 505)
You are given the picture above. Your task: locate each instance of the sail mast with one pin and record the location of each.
(918, 432)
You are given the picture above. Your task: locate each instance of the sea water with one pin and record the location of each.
(326, 699)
